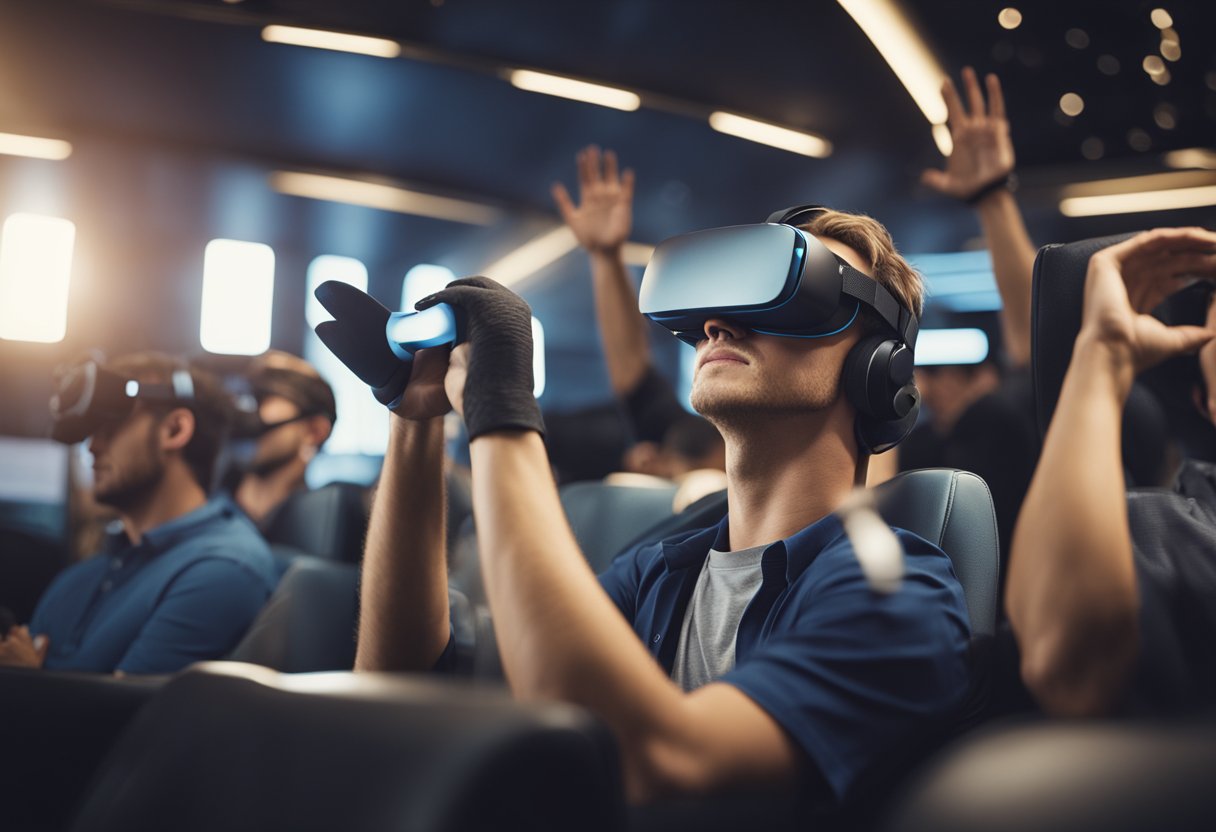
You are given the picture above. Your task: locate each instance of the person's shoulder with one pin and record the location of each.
(230, 536)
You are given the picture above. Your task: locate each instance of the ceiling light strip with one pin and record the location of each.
(795, 141)
(1134, 203)
(885, 24)
(562, 87)
(532, 256)
(334, 41)
(34, 147)
(382, 197)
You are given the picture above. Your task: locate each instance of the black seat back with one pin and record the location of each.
(329, 522)
(238, 748)
(605, 517)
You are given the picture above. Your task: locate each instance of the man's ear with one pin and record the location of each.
(319, 429)
(176, 429)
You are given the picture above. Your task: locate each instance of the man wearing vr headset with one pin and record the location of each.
(753, 653)
(184, 576)
(295, 415)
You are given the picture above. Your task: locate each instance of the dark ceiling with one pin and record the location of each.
(178, 112)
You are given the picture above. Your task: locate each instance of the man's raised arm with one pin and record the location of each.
(1072, 593)
(977, 172)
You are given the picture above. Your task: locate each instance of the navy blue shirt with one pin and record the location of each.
(854, 677)
(186, 593)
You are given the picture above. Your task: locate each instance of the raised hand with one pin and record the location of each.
(1125, 282)
(604, 216)
(983, 152)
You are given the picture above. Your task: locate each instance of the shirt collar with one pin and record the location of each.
(170, 532)
(798, 550)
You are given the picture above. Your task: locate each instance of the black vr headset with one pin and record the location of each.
(776, 279)
(89, 396)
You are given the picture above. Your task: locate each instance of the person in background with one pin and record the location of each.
(296, 412)
(1112, 597)
(982, 416)
(184, 576)
(670, 442)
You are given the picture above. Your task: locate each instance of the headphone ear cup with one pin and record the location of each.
(878, 382)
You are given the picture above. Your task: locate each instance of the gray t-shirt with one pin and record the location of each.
(726, 585)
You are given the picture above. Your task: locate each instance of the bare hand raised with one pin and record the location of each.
(983, 152)
(604, 216)
(1125, 282)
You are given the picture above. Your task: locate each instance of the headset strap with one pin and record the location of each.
(873, 294)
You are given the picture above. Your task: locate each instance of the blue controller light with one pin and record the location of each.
(409, 332)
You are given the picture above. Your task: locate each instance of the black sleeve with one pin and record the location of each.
(1175, 561)
(651, 407)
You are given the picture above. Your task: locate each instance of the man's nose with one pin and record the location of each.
(721, 329)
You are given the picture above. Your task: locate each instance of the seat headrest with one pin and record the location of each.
(1059, 289)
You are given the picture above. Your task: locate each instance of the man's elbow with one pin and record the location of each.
(655, 770)
(1082, 671)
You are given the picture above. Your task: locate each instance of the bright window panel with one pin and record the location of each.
(35, 269)
(951, 346)
(238, 290)
(362, 426)
(423, 280)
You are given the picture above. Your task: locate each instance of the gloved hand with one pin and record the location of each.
(356, 337)
(497, 325)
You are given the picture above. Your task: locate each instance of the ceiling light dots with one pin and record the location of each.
(1072, 104)
(1161, 18)
(1139, 140)
(1009, 18)
(1093, 148)
(1108, 65)
(1077, 38)
(1171, 45)
(1156, 69)
(1166, 116)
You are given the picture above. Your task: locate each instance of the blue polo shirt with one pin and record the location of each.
(855, 677)
(186, 593)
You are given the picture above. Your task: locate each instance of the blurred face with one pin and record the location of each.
(280, 445)
(127, 462)
(740, 374)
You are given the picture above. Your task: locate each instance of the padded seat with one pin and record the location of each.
(328, 522)
(606, 517)
(238, 748)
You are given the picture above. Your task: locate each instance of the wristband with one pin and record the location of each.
(1009, 182)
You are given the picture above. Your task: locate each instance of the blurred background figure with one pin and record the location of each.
(181, 579)
(669, 441)
(294, 415)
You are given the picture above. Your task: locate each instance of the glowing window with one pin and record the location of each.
(35, 267)
(422, 280)
(238, 288)
(362, 426)
(951, 346)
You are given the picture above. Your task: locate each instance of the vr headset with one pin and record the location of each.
(776, 279)
(88, 396)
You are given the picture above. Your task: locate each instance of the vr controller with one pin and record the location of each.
(377, 345)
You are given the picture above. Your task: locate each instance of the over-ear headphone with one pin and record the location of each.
(877, 376)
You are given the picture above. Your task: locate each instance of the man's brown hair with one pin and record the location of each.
(872, 241)
(211, 406)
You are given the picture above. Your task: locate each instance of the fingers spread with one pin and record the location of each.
(975, 98)
(996, 98)
(562, 197)
(955, 114)
(610, 167)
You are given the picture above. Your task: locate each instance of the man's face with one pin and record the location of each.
(127, 462)
(739, 373)
(280, 445)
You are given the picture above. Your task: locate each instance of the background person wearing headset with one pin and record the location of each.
(669, 441)
(296, 412)
(839, 679)
(184, 576)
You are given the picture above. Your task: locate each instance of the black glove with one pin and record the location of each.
(356, 336)
(497, 324)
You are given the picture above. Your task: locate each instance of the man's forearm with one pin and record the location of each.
(559, 634)
(1013, 256)
(1072, 596)
(622, 328)
(404, 622)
